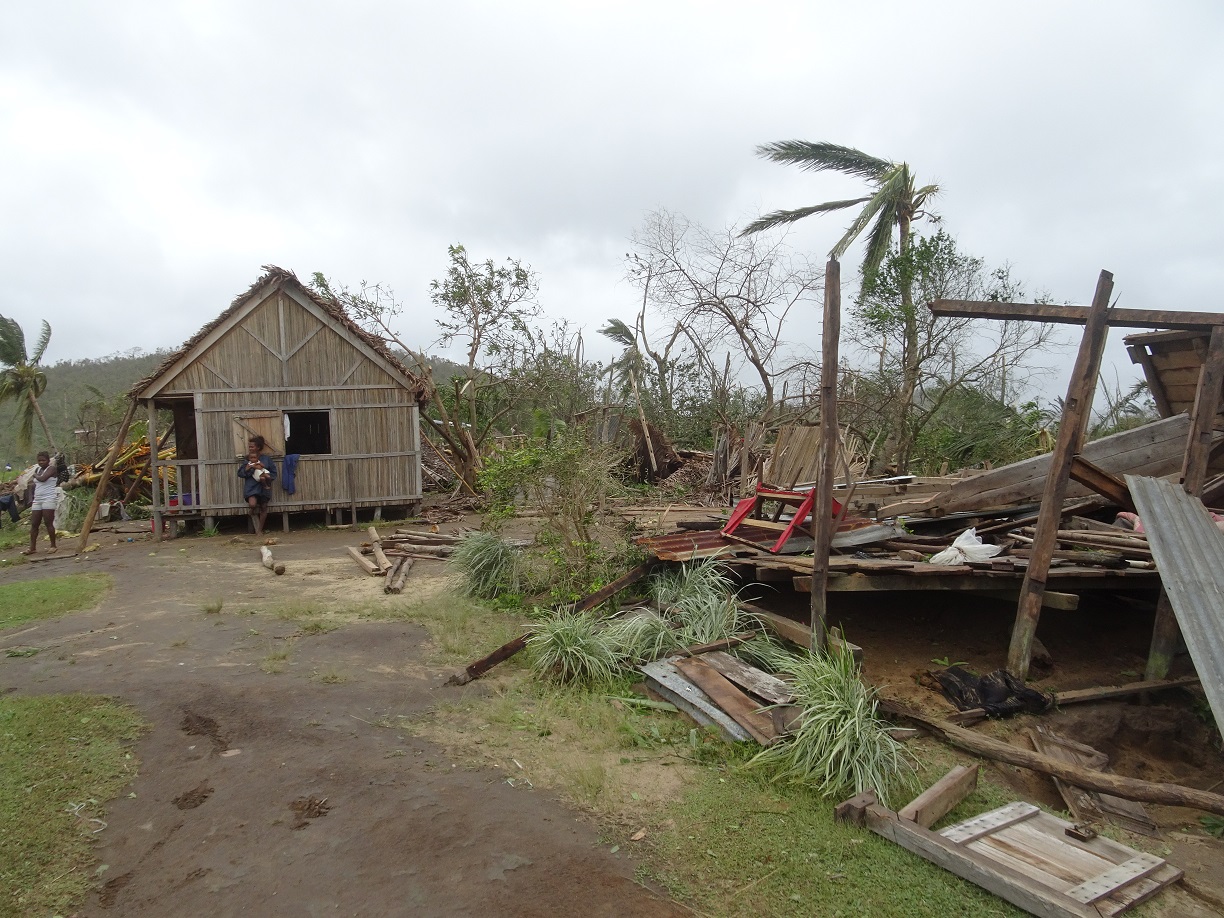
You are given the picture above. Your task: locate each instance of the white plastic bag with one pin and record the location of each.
(967, 547)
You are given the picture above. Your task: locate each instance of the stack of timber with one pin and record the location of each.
(392, 556)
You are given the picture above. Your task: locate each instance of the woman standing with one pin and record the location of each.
(42, 505)
(259, 471)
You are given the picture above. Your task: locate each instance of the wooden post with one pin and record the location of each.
(154, 482)
(637, 397)
(1076, 413)
(106, 470)
(1165, 632)
(822, 501)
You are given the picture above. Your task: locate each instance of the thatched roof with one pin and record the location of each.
(330, 307)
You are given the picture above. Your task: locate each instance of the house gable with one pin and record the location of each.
(278, 336)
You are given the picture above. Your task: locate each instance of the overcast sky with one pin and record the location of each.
(154, 155)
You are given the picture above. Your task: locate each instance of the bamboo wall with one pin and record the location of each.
(286, 354)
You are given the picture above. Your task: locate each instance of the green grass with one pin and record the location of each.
(743, 847)
(14, 536)
(61, 758)
(462, 629)
(50, 597)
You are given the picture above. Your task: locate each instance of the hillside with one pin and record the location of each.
(65, 404)
(70, 406)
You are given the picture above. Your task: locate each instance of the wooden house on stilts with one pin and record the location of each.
(292, 367)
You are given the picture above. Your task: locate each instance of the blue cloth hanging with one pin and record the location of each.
(289, 473)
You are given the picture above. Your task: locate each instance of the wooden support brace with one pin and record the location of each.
(1070, 438)
(1095, 478)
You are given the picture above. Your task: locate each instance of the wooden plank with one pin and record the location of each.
(1139, 866)
(1095, 478)
(1071, 431)
(1153, 449)
(798, 633)
(1110, 692)
(751, 679)
(1086, 805)
(366, 564)
(735, 704)
(1077, 315)
(964, 832)
(1120, 900)
(668, 681)
(941, 797)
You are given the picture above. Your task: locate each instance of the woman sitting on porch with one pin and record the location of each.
(259, 471)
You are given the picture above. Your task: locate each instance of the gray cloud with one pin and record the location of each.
(152, 157)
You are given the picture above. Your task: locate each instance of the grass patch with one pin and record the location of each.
(318, 626)
(462, 629)
(50, 597)
(330, 676)
(14, 537)
(61, 758)
(277, 661)
(732, 829)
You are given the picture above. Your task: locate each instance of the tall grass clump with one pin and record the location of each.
(700, 598)
(640, 636)
(571, 647)
(840, 746)
(489, 566)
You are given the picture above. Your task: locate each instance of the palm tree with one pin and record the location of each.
(895, 201)
(22, 379)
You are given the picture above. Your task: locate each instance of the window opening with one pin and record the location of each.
(308, 433)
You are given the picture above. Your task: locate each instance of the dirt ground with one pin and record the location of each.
(268, 793)
(280, 794)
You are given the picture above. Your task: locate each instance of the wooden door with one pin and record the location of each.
(268, 424)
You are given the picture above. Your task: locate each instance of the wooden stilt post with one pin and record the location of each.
(109, 464)
(1166, 632)
(154, 478)
(822, 503)
(1076, 412)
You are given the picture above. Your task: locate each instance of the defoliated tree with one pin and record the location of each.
(22, 380)
(486, 308)
(925, 361)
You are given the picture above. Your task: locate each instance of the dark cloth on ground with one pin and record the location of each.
(9, 502)
(999, 694)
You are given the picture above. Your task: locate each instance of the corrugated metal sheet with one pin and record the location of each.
(1189, 553)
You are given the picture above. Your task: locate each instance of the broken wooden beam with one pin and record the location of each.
(478, 668)
(942, 797)
(1119, 786)
(1095, 478)
(366, 564)
(799, 633)
(1078, 315)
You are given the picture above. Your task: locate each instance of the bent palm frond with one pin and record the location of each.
(12, 342)
(782, 217)
(819, 156)
(44, 338)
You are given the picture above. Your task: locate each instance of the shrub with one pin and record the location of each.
(840, 745)
(489, 565)
(570, 646)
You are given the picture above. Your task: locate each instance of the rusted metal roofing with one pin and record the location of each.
(690, 545)
(1189, 553)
